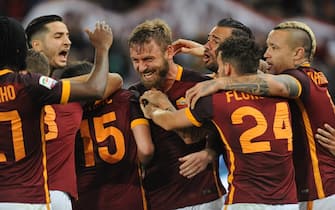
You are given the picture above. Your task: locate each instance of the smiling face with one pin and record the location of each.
(150, 63)
(55, 44)
(215, 37)
(279, 53)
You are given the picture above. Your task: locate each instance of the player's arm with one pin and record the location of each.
(156, 106)
(282, 85)
(167, 119)
(102, 39)
(188, 47)
(114, 82)
(326, 137)
(145, 146)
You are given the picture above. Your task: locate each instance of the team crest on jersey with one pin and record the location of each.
(181, 103)
(47, 82)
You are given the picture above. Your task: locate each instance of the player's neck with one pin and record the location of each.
(170, 77)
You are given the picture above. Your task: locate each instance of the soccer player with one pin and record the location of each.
(23, 180)
(291, 46)
(152, 57)
(50, 36)
(225, 28)
(114, 136)
(256, 132)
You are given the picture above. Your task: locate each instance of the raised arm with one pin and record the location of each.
(259, 84)
(188, 47)
(114, 82)
(102, 39)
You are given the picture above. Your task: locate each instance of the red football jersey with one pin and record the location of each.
(22, 150)
(257, 135)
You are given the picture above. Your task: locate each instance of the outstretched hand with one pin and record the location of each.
(102, 36)
(188, 47)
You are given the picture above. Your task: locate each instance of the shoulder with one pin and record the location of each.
(194, 76)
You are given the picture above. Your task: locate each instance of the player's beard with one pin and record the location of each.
(158, 83)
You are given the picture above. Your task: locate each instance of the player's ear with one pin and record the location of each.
(170, 52)
(299, 53)
(227, 69)
(36, 45)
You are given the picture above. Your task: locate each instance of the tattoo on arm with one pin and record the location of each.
(265, 85)
(253, 85)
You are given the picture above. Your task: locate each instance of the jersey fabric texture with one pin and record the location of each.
(107, 165)
(257, 135)
(314, 165)
(62, 123)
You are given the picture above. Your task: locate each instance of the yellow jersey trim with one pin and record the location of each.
(312, 151)
(191, 118)
(5, 71)
(230, 153)
(137, 122)
(65, 91)
(179, 73)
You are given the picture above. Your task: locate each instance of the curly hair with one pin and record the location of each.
(13, 44)
(242, 52)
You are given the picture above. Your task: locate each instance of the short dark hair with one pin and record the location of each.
(76, 69)
(242, 52)
(239, 29)
(13, 44)
(38, 24)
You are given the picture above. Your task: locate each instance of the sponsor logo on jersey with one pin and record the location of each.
(47, 82)
(181, 103)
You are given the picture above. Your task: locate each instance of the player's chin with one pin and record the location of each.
(61, 64)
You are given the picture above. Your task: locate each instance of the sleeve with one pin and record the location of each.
(136, 114)
(46, 90)
(302, 79)
(202, 112)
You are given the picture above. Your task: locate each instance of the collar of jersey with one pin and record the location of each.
(5, 71)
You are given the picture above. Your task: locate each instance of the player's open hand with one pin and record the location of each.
(326, 137)
(102, 36)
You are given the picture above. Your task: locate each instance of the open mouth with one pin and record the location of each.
(148, 75)
(63, 54)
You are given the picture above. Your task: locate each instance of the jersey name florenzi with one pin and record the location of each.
(239, 96)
